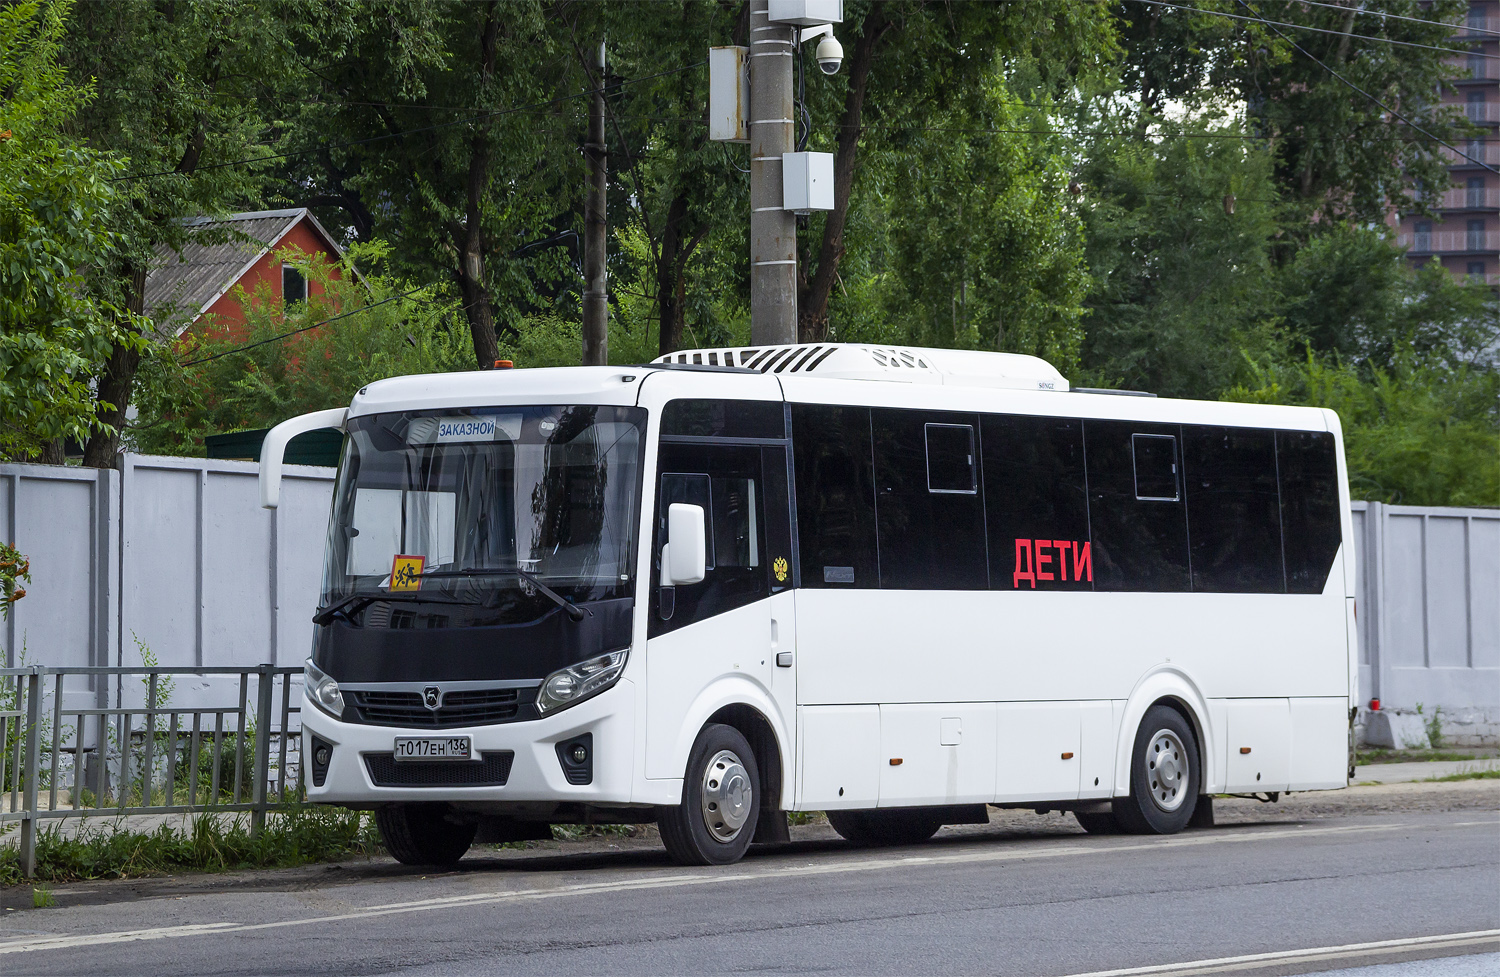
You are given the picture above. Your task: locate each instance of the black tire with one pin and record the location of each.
(892, 826)
(1165, 775)
(1097, 822)
(720, 801)
(421, 834)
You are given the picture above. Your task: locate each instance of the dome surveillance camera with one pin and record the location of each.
(830, 55)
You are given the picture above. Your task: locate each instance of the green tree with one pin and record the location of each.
(181, 87)
(1179, 279)
(1419, 432)
(1338, 154)
(56, 326)
(981, 247)
(444, 129)
(914, 67)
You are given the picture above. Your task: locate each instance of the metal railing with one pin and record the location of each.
(143, 755)
(1441, 242)
(1481, 111)
(1470, 198)
(1477, 27)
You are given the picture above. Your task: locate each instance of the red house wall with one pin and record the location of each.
(225, 319)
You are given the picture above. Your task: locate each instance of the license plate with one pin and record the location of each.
(434, 748)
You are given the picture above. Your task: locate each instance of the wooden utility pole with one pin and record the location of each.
(773, 231)
(596, 234)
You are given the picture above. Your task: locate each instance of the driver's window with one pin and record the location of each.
(726, 481)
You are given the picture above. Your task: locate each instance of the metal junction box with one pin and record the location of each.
(806, 13)
(729, 94)
(806, 182)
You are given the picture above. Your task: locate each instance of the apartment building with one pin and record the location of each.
(1465, 237)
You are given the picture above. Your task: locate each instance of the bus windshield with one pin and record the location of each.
(427, 502)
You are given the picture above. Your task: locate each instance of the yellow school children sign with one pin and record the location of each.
(406, 572)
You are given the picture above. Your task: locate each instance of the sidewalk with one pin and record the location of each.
(1402, 773)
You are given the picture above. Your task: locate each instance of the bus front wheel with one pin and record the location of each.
(421, 834)
(1164, 775)
(720, 799)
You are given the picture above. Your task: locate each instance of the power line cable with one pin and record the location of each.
(1388, 16)
(1361, 91)
(1322, 30)
(277, 338)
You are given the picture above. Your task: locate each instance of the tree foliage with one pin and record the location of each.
(1189, 201)
(56, 241)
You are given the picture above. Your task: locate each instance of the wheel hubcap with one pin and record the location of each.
(1167, 770)
(727, 796)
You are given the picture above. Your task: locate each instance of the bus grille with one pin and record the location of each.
(491, 770)
(466, 707)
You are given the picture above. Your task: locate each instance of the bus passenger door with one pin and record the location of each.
(724, 626)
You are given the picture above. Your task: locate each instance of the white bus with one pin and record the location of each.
(895, 585)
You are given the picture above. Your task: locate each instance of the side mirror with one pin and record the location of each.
(273, 448)
(684, 560)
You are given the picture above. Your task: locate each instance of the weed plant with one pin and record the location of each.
(294, 835)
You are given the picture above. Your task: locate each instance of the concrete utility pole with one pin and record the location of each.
(596, 234)
(773, 231)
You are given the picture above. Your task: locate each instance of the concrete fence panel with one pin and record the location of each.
(168, 557)
(1429, 619)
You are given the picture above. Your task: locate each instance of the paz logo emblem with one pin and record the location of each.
(779, 568)
(431, 697)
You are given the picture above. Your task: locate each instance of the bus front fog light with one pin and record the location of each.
(580, 753)
(577, 682)
(322, 690)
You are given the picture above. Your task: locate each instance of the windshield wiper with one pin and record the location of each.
(356, 602)
(573, 611)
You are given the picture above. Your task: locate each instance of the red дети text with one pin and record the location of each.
(1034, 562)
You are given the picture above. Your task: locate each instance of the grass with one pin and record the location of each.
(1467, 775)
(1379, 755)
(578, 832)
(294, 836)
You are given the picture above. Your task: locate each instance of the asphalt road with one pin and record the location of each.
(1282, 897)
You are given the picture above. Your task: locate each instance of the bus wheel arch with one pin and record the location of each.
(766, 745)
(1173, 689)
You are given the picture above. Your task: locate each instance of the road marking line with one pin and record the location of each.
(806, 870)
(1250, 960)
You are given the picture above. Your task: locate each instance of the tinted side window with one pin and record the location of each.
(835, 496)
(951, 465)
(1234, 521)
(724, 419)
(1309, 507)
(929, 540)
(1036, 504)
(727, 481)
(1155, 460)
(1137, 544)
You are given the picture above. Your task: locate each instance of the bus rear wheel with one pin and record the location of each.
(885, 827)
(421, 834)
(1164, 775)
(720, 800)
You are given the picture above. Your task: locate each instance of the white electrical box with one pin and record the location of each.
(806, 182)
(806, 13)
(729, 94)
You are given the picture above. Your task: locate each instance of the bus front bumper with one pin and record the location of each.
(536, 772)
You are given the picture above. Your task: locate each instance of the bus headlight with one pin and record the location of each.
(322, 690)
(575, 683)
